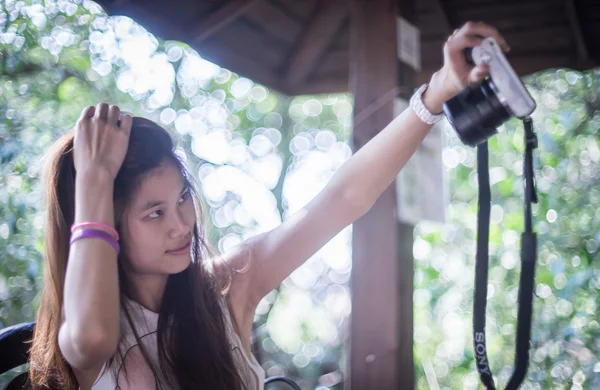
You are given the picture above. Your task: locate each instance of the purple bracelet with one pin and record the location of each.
(94, 233)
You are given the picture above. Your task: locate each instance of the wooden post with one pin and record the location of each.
(381, 335)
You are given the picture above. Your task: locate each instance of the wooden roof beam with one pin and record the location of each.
(218, 54)
(222, 17)
(443, 11)
(325, 23)
(583, 54)
(231, 60)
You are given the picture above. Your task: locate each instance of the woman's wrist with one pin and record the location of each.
(435, 96)
(94, 197)
(94, 176)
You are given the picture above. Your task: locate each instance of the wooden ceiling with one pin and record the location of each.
(302, 46)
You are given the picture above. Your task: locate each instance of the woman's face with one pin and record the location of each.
(158, 225)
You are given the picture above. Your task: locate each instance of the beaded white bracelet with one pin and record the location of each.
(416, 103)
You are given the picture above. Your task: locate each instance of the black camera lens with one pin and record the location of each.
(475, 113)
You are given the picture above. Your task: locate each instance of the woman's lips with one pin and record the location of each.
(179, 251)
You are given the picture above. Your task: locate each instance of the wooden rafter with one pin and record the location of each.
(583, 54)
(325, 23)
(443, 12)
(222, 17)
(242, 65)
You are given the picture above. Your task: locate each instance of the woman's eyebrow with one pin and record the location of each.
(153, 203)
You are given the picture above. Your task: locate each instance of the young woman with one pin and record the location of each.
(132, 298)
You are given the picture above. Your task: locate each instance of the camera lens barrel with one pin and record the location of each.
(475, 113)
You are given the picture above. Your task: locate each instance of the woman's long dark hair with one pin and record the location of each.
(192, 338)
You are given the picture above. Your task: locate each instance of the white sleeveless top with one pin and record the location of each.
(139, 375)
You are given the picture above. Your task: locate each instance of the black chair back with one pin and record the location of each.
(14, 344)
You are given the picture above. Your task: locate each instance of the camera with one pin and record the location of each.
(478, 110)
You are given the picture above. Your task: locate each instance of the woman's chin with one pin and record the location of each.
(178, 263)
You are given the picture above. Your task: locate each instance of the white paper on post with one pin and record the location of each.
(422, 187)
(409, 43)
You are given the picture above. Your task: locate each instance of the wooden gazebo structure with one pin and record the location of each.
(324, 46)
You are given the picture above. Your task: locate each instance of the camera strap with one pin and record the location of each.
(528, 257)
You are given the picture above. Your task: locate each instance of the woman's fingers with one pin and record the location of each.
(87, 112)
(126, 122)
(458, 70)
(102, 141)
(477, 74)
(113, 115)
(458, 43)
(484, 30)
(101, 111)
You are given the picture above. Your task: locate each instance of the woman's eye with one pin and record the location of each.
(184, 196)
(155, 214)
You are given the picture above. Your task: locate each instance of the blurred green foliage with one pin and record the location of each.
(57, 57)
(566, 328)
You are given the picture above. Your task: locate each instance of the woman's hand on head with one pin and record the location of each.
(457, 73)
(101, 140)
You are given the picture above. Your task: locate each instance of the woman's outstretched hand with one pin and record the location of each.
(457, 72)
(101, 141)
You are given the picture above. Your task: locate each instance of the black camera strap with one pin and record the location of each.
(528, 257)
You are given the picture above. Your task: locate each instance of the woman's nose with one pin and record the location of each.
(180, 226)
